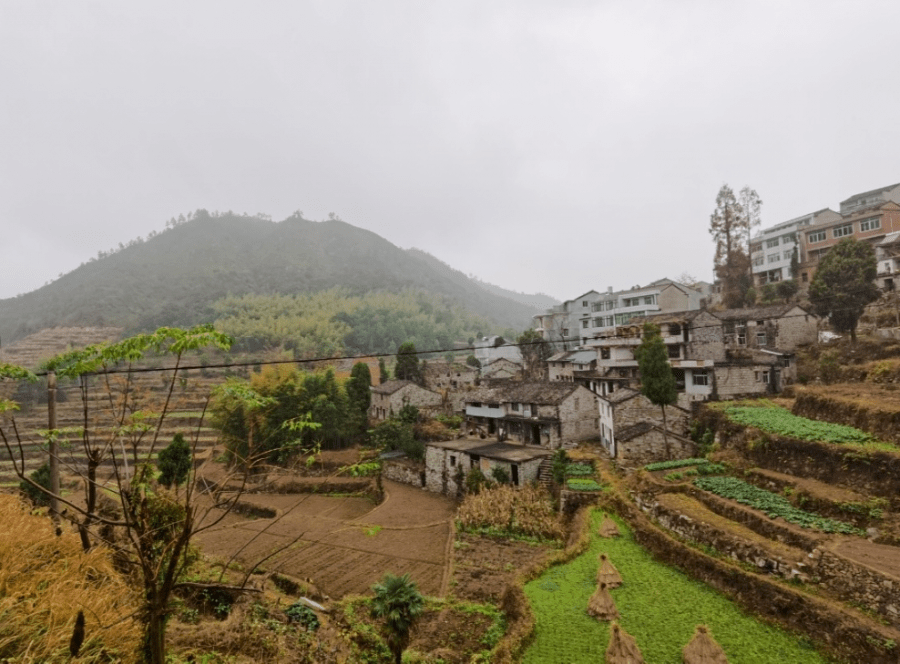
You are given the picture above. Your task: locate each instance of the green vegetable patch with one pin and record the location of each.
(784, 423)
(582, 484)
(659, 606)
(772, 504)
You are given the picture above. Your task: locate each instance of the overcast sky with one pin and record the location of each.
(541, 146)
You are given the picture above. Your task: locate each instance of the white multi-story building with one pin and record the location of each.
(575, 322)
(772, 249)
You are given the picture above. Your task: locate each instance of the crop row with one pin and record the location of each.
(674, 463)
(782, 422)
(772, 504)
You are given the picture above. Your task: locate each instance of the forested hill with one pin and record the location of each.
(174, 277)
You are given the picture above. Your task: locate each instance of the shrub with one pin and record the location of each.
(174, 462)
(409, 414)
(829, 367)
(475, 481)
(40, 476)
(500, 475)
(560, 461)
(299, 613)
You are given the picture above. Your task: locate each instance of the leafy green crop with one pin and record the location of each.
(772, 504)
(782, 422)
(674, 463)
(581, 484)
(659, 606)
(579, 470)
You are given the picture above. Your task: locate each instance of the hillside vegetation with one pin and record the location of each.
(175, 277)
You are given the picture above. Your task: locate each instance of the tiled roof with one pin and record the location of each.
(866, 194)
(622, 394)
(545, 392)
(391, 386)
(761, 313)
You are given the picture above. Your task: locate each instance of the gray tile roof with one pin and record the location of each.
(544, 392)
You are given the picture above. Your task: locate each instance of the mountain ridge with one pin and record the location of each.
(173, 277)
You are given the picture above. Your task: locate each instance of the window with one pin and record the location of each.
(674, 351)
(598, 321)
(818, 236)
(584, 323)
(842, 231)
(608, 321)
(650, 299)
(610, 305)
(584, 303)
(773, 258)
(475, 404)
(515, 406)
(869, 224)
(596, 306)
(760, 338)
(787, 239)
(804, 277)
(604, 353)
(700, 377)
(762, 377)
(772, 243)
(565, 331)
(759, 260)
(452, 460)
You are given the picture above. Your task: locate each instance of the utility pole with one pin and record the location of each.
(54, 446)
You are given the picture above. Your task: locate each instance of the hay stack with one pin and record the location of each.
(609, 528)
(622, 648)
(607, 573)
(703, 649)
(601, 604)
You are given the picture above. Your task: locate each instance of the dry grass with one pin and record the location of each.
(45, 580)
(527, 511)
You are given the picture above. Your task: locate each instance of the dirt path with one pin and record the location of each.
(344, 544)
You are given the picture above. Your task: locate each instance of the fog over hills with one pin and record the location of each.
(175, 276)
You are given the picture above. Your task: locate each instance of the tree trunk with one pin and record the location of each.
(155, 637)
(85, 525)
(666, 433)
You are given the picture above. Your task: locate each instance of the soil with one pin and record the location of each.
(343, 544)
(815, 488)
(881, 557)
(483, 567)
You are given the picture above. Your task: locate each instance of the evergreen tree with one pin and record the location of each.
(844, 284)
(399, 603)
(383, 374)
(535, 352)
(408, 363)
(174, 462)
(657, 379)
(359, 394)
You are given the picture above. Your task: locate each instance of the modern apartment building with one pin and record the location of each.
(575, 322)
(772, 249)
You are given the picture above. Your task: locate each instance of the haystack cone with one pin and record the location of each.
(601, 604)
(703, 649)
(609, 528)
(622, 648)
(607, 573)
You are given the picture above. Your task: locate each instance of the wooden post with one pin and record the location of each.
(54, 446)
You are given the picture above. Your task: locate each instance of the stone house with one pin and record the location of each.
(501, 368)
(448, 462)
(721, 354)
(389, 397)
(442, 375)
(546, 414)
(625, 409)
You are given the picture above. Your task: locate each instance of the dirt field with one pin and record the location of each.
(344, 544)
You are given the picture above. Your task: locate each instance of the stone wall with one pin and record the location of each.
(650, 446)
(405, 471)
(876, 591)
(640, 409)
(579, 414)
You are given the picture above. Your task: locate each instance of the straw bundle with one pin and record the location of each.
(607, 573)
(622, 648)
(601, 604)
(45, 581)
(703, 649)
(609, 528)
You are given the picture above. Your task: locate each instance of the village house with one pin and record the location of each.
(501, 368)
(448, 462)
(488, 349)
(548, 414)
(723, 354)
(575, 321)
(389, 397)
(631, 429)
(442, 375)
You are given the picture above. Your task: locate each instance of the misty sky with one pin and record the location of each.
(542, 146)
